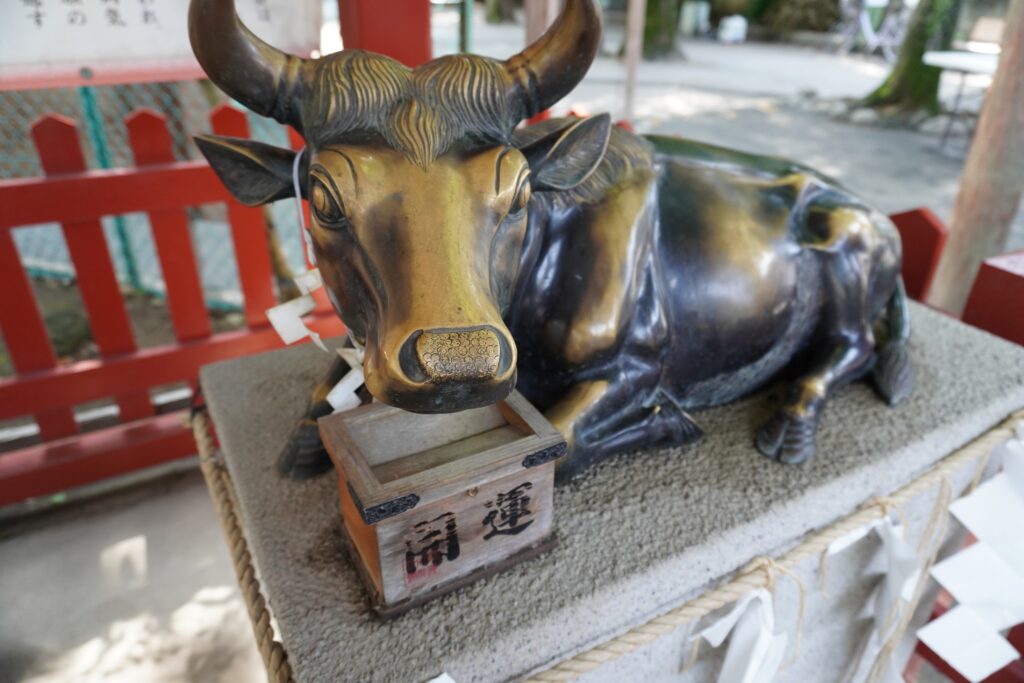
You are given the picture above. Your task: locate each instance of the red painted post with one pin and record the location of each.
(26, 336)
(996, 301)
(397, 28)
(248, 231)
(56, 139)
(151, 144)
(924, 238)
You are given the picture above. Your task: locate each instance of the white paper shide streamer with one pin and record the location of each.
(343, 396)
(900, 568)
(755, 648)
(445, 677)
(986, 578)
(286, 318)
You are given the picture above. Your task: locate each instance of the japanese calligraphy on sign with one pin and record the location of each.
(474, 530)
(69, 42)
(431, 543)
(509, 512)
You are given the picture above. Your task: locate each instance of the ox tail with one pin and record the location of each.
(893, 372)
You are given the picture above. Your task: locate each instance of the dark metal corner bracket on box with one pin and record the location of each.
(396, 506)
(620, 282)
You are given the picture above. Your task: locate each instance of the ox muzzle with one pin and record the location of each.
(449, 368)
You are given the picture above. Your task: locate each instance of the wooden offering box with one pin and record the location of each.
(434, 502)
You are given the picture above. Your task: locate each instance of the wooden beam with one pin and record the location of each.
(993, 178)
(83, 196)
(83, 459)
(89, 380)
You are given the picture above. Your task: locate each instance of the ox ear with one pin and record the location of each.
(255, 173)
(566, 157)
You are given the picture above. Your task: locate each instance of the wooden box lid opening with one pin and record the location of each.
(393, 460)
(436, 439)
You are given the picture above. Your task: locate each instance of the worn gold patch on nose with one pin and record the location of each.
(459, 356)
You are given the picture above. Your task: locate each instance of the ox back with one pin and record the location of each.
(716, 277)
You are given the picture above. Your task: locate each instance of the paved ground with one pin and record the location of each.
(134, 587)
(138, 586)
(750, 97)
(893, 170)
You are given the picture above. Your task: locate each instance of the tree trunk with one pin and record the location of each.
(499, 11)
(633, 49)
(993, 178)
(539, 15)
(661, 28)
(912, 85)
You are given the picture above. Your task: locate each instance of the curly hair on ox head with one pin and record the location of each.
(421, 112)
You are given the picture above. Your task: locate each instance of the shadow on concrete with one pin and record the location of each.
(134, 586)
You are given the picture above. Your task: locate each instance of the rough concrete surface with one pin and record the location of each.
(639, 534)
(135, 587)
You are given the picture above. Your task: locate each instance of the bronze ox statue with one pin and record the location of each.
(620, 282)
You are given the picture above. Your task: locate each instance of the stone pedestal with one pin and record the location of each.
(639, 535)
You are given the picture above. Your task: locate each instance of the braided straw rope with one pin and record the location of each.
(221, 490)
(761, 573)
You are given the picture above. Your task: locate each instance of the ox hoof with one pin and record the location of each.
(893, 373)
(681, 427)
(305, 456)
(788, 439)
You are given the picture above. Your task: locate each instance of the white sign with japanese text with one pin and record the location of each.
(52, 43)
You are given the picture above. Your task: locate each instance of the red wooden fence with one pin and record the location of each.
(924, 238)
(47, 391)
(996, 302)
(65, 457)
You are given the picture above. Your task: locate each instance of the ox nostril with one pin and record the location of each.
(455, 355)
(407, 359)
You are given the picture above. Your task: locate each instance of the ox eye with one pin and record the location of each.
(520, 201)
(325, 206)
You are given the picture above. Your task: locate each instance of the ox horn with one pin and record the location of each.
(263, 78)
(555, 63)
